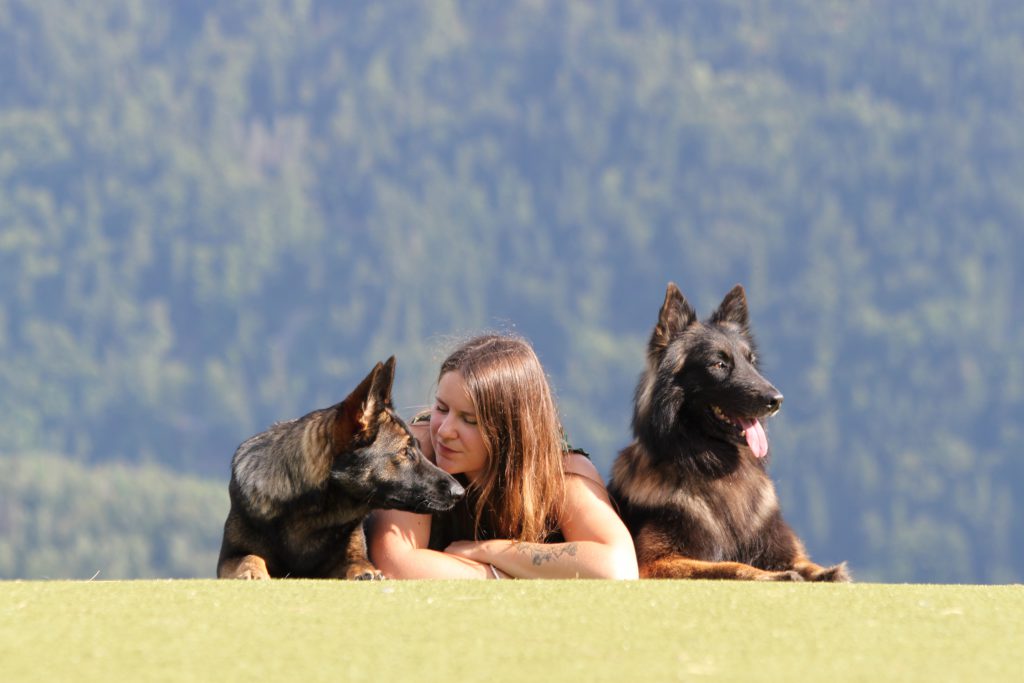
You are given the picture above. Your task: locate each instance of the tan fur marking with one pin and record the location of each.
(248, 567)
(643, 399)
(678, 567)
(766, 505)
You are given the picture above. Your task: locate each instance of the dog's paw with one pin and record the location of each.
(836, 574)
(364, 572)
(787, 575)
(248, 568)
(253, 575)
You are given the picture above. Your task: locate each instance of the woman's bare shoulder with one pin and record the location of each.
(582, 466)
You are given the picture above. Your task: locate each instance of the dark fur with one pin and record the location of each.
(698, 502)
(301, 490)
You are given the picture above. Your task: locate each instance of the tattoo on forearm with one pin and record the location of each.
(539, 554)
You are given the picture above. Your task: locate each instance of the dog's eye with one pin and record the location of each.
(720, 363)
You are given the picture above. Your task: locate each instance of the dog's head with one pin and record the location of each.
(378, 460)
(703, 378)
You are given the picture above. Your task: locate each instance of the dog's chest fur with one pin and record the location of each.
(708, 518)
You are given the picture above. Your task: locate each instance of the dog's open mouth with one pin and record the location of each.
(749, 427)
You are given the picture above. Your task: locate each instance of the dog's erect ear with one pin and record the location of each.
(676, 315)
(355, 413)
(380, 389)
(733, 309)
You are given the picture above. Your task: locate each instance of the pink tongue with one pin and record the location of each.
(756, 438)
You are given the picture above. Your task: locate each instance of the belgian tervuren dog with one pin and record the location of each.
(692, 486)
(301, 490)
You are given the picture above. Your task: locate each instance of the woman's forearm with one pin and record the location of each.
(576, 559)
(421, 563)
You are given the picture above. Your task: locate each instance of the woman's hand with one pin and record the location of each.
(471, 550)
(483, 552)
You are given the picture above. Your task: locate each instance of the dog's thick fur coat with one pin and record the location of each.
(692, 486)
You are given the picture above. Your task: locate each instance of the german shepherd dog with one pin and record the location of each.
(692, 486)
(301, 490)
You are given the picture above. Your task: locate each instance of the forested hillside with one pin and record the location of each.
(215, 215)
(62, 520)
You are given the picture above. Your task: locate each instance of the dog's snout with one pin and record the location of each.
(775, 402)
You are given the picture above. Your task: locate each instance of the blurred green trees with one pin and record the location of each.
(61, 520)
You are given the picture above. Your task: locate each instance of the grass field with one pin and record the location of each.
(574, 631)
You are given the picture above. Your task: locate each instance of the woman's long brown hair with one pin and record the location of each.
(520, 493)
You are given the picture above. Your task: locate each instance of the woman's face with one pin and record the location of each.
(454, 432)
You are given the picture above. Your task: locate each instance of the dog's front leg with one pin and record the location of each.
(790, 552)
(357, 565)
(679, 567)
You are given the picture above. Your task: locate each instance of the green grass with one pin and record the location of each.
(575, 631)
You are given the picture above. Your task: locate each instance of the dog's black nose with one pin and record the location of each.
(774, 402)
(455, 490)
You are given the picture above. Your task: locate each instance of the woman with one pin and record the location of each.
(533, 509)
